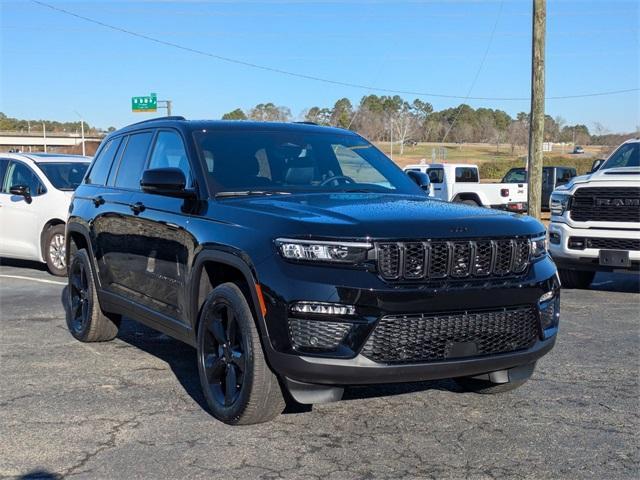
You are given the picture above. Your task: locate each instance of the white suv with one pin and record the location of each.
(595, 219)
(34, 203)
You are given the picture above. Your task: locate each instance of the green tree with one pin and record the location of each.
(236, 114)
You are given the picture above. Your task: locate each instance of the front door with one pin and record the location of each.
(19, 217)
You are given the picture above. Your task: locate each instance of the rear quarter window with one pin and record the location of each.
(466, 175)
(102, 163)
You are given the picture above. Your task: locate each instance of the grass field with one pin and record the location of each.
(493, 162)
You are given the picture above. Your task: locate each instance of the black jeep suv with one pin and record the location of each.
(298, 260)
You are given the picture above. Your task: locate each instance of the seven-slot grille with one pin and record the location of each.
(448, 335)
(606, 204)
(435, 260)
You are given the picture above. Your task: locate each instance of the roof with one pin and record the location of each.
(232, 125)
(47, 157)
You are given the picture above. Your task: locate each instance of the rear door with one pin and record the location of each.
(119, 244)
(548, 180)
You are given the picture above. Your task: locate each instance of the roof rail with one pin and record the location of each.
(158, 119)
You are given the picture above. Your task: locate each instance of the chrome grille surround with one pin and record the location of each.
(452, 259)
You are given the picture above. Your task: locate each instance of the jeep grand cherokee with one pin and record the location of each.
(298, 260)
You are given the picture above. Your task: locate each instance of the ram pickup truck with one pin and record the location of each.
(460, 182)
(595, 219)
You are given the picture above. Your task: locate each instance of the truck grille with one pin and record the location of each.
(606, 204)
(605, 243)
(430, 337)
(434, 260)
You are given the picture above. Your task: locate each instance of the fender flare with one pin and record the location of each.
(238, 260)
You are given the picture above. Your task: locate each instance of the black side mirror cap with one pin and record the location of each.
(168, 181)
(22, 191)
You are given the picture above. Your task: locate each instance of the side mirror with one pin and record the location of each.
(170, 182)
(596, 165)
(22, 191)
(421, 179)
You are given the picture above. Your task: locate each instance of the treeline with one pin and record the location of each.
(16, 125)
(391, 118)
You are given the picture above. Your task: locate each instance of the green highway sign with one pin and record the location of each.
(144, 104)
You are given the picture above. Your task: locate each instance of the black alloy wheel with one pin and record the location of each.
(79, 296)
(223, 354)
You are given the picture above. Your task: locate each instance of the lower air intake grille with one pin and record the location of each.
(315, 335)
(430, 337)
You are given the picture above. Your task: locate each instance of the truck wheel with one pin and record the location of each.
(54, 250)
(485, 387)
(237, 383)
(471, 202)
(86, 320)
(575, 278)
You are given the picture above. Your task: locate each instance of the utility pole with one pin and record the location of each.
(44, 136)
(536, 123)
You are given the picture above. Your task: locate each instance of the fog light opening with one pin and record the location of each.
(549, 309)
(322, 308)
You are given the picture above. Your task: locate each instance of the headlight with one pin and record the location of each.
(559, 203)
(538, 247)
(323, 251)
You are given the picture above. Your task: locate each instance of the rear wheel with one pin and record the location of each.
(239, 386)
(576, 278)
(85, 320)
(54, 250)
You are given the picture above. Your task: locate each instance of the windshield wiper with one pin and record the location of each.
(246, 193)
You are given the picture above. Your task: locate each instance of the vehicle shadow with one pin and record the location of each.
(616, 282)
(12, 262)
(39, 475)
(182, 361)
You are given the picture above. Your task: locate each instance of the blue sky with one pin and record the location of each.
(53, 64)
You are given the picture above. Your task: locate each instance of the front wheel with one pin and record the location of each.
(575, 278)
(237, 383)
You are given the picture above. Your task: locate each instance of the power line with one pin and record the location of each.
(480, 66)
(305, 76)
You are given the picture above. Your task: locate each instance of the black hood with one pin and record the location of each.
(374, 215)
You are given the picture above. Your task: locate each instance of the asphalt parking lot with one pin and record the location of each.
(132, 408)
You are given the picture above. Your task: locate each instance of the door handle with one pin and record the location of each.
(137, 207)
(97, 201)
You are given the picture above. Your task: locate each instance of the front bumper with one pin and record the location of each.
(587, 258)
(362, 371)
(375, 299)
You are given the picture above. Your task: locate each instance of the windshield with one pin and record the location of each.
(628, 155)
(64, 176)
(263, 162)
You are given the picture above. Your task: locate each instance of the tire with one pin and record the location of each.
(85, 319)
(575, 278)
(485, 387)
(54, 250)
(237, 383)
(473, 203)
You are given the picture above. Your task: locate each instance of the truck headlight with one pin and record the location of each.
(538, 247)
(323, 251)
(559, 203)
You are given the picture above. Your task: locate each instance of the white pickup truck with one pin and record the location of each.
(595, 219)
(460, 182)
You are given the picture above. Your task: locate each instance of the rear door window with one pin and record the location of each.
(133, 161)
(466, 175)
(102, 163)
